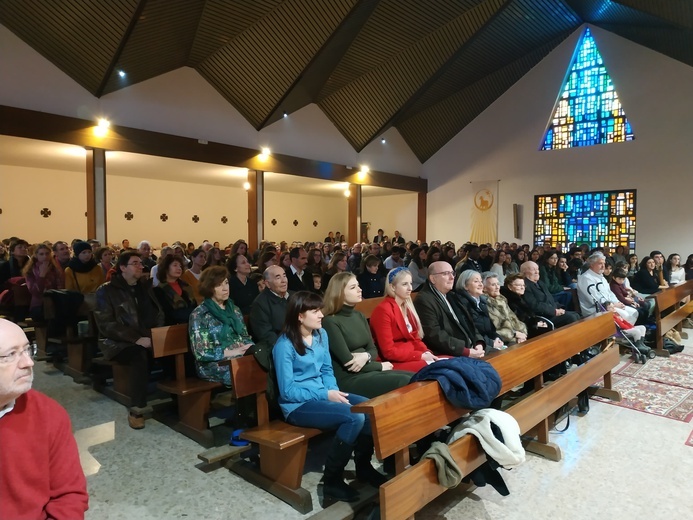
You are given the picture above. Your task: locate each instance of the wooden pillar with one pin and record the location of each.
(256, 208)
(96, 194)
(354, 214)
(421, 217)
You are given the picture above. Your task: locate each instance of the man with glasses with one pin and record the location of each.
(448, 328)
(40, 472)
(126, 311)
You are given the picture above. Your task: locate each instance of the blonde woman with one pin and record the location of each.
(396, 326)
(354, 356)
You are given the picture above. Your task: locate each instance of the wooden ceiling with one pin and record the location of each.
(427, 68)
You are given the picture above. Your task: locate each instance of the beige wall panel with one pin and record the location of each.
(24, 192)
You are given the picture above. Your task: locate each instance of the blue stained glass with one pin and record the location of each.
(601, 218)
(588, 110)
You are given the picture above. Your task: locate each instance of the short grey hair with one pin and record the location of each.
(144, 242)
(488, 275)
(465, 276)
(595, 257)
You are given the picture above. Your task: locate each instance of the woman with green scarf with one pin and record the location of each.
(217, 331)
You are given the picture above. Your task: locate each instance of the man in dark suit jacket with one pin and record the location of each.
(540, 300)
(268, 311)
(299, 278)
(448, 328)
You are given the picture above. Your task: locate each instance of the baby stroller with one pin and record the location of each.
(639, 350)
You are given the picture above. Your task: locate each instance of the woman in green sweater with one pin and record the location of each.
(351, 344)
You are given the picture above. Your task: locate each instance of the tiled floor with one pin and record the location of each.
(617, 463)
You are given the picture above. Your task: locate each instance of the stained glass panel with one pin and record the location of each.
(588, 110)
(599, 219)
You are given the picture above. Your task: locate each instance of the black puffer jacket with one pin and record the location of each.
(121, 320)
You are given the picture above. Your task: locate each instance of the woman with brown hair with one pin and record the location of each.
(175, 296)
(41, 273)
(353, 352)
(338, 264)
(216, 328)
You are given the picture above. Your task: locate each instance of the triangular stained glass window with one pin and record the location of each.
(588, 110)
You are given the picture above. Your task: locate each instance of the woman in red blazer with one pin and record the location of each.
(396, 327)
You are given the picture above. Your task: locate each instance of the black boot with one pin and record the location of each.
(363, 453)
(584, 401)
(333, 479)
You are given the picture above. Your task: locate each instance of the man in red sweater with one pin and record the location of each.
(40, 473)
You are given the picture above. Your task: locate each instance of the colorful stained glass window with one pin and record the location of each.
(604, 218)
(588, 110)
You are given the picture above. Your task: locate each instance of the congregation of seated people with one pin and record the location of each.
(437, 301)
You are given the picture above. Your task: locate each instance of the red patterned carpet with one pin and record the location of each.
(662, 386)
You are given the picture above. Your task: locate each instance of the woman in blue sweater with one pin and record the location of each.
(309, 396)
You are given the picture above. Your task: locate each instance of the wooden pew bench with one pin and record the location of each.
(193, 394)
(669, 312)
(283, 447)
(403, 416)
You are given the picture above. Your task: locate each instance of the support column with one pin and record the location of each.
(421, 217)
(256, 208)
(354, 214)
(96, 194)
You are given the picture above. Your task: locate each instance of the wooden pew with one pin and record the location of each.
(669, 301)
(403, 416)
(283, 447)
(193, 394)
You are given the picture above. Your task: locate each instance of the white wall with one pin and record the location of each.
(503, 143)
(391, 212)
(148, 199)
(24, 192)
(182, 103)
(329, 212)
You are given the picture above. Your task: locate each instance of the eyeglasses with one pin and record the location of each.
(136, 264)
(445, 273)
(13, 357)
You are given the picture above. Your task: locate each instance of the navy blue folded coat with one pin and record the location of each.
(466, 382)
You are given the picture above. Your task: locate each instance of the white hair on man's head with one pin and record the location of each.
(143, 243)
(595, 257)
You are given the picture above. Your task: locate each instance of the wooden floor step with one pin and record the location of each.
(221, 453)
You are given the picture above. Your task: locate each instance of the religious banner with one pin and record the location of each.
(485, 212)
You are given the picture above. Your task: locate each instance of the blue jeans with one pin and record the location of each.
(326, 415)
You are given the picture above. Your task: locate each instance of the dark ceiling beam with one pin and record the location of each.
(123, 42)
(30, 124)
(374, 98)
(676, 12)
(307, 86)
(254, 70)
(427, 131)
(404, 108)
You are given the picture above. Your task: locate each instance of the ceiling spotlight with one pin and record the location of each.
(121, 73)
(383, 140)
(104, 123)
(246, 186)
(264, 154)
(365, 169)
(286, 115)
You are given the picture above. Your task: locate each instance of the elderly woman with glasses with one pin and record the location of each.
(508, 326)
(514, 290)
(396, 326)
